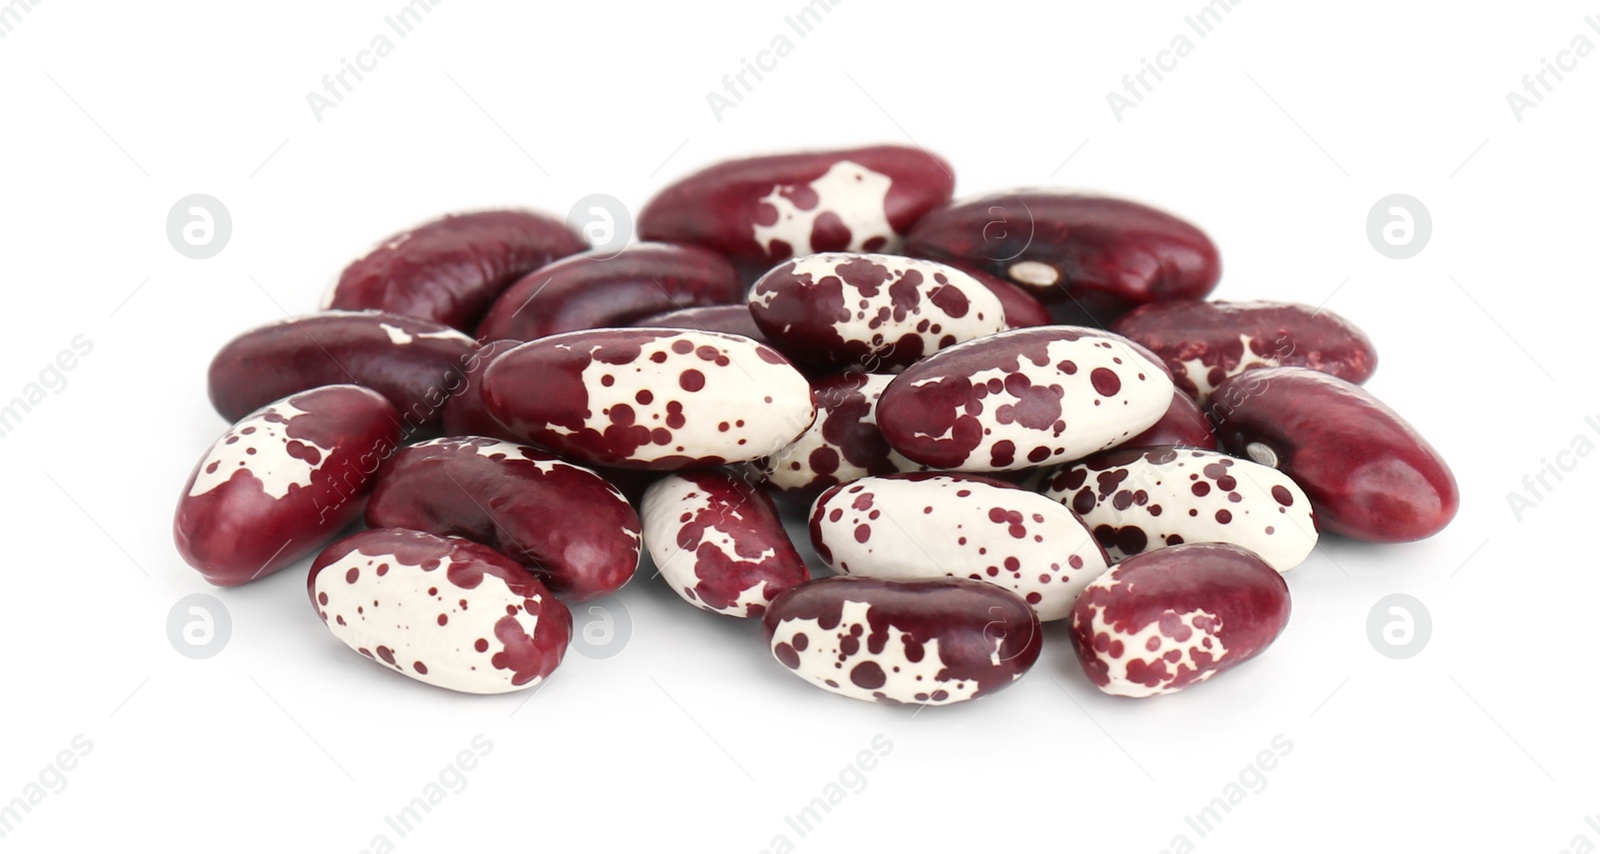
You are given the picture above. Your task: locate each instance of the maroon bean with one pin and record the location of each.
(444, 611)
(605, 287)
(1024, 398)
(762, 210)
(1184, 425)
(464, 414)
(878, 312)
(931, 642)
(1206, 342)
(843, 444)
(1369, 474)
(451, 269)
(1109, 255)
(719, 542)
(732, 319)
(282, 482)
(649, 398)
(416, 364)
(1164, 620)
(505, 496)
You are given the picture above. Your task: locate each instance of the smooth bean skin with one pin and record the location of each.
(464, 414)
(1169, 619)
(1109, 255)
(665, 399)
(1139, 499)
(843, 444)
(447, 612)
(608, 288)
(1021, 308)
(931, 642)
(732, 319)
(759, 211)
(880, 313)
(504, 496)
(1204, 343)
(451, 269)
(719, 542)
(282, 482)
(893, 526)
(1184, 425)
(1024, 398)
(416, 364)
(1368, 472)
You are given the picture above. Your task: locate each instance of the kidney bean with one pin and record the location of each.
(448, 612)
(1109, 255)
(843, 444)
(1021, 308)
(1204, 343)
(463, 411)
(719, 543)
(1183, 425)
(1023, 398)
(759, 211)
(649, 398)
(930, 642)
(605, 287)
(451, 269)
(879, 312)
(928, 525)
(282, 482)
(416, 364)
(732, 319)
(1165, 620)
(504, 496)
(1369, 474)
(1140, 499)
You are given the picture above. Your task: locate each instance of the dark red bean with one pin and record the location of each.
(1204, 343)
(927, 642)
(416, 364)
(450, 270)
(506, 496)
(1109, 255)
(610, 288)
(1164, 620)
(1184, 425)
(879, 313)
(732, 319)
(762, 210)
(282, 482)
(444, 611)
(649, 398)
(1369, 474)
(719, 542)
(464, 414)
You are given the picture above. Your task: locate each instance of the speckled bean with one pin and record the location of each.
(844, 443)
(929, 642)
(1165, 620)
(1024, 398)
(930, 525)
(282, 482)
(444, 611)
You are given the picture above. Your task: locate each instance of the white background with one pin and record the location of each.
(1276, 134)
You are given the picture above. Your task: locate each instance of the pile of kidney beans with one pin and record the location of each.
(1001, 411)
